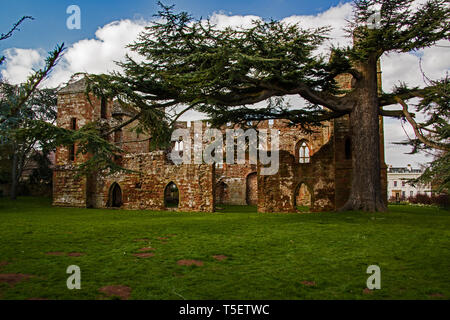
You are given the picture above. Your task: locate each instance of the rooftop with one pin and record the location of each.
(407, 169)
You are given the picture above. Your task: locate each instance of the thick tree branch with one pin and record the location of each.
(337, 104)
(124, 124)
(332, 102)
(391, 113)
(389, 99)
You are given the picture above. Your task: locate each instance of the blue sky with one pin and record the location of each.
(49, 26)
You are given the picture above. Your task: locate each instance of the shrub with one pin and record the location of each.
(441, 200)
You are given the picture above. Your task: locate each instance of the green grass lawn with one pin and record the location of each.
(269, 256)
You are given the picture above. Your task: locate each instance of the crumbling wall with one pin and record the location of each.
(145, 188)
(235, 178)
(277, 193)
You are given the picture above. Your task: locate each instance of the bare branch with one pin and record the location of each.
(14, 28)
(34, 81)
(417, 129)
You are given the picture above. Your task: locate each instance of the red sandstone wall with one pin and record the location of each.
(146, 190)
(68, 191)
(235, 177)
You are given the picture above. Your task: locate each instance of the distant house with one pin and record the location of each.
(398, 186)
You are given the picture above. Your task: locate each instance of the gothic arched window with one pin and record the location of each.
(303, 153)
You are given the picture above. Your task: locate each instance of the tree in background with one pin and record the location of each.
(21, 106)
(22, 144)
(221, 72)
(432, 134)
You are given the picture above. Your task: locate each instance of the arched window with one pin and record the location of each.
(171, 196)
(303, 153)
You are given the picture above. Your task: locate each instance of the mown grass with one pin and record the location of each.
(269, 255)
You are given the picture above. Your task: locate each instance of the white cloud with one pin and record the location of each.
(396, 154)
(20, 64)
(222, 21)
(89, 55)
(405, 67)
(335, 17)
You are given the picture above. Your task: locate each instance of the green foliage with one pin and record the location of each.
(42, 175)
(5, 163)
(19, 134)
(400, 29)
(89, 139)
(438, 173)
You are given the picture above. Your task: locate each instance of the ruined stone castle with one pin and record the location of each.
(315, 169)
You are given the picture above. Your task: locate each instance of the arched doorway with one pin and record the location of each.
(221, 193)
(252, 189)
(115, 196)
(171, 196)
(302, 198)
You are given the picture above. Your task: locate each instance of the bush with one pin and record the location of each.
(400, 200)
(441, 200)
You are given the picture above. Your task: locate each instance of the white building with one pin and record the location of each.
(399, 188)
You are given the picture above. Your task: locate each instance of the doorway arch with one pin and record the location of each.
(171, 196)
(303, 197)
(115, 196)
(252, 189)
(221, 192)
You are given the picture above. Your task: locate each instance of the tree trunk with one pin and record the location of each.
(14, 176)
(366, 191)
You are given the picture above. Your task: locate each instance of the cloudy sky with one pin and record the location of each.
(108, 26)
